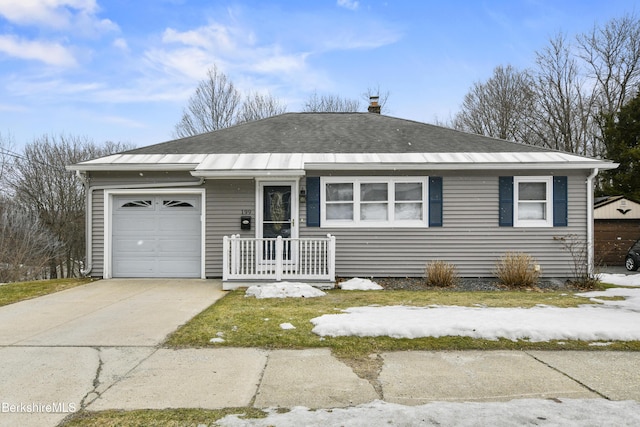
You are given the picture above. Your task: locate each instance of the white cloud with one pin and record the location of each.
(50, 53)
(13, 108)
(121, 44)
(122, 121)
(208, 37)
(78, 15)
(50, 13)
(349, 4)
(190, 53)
(279, 63)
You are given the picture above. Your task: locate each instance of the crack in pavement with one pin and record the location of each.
(264, 368)
(591, 389)
(96, 381)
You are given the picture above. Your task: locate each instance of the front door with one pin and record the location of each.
(276, 211)
(278, 216)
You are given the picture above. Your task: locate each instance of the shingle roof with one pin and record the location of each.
(293, 143)
(335, 133)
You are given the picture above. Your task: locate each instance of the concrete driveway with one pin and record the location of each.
(60, 351)
(116, 312)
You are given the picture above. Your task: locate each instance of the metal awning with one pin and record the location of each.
(295, 164)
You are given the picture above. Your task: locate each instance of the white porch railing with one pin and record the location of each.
(279, 258)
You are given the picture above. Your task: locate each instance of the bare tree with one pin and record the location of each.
(563, 113)
(330, 104)
(573, 89)
(612, 53)
(5, 154)
(258, 106)
(26, 247)
(213, 106)
(53, 195)
(499, 107)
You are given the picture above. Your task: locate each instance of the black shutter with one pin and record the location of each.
(435, 201)
(560, 201)
(313, 201)
(506, 201)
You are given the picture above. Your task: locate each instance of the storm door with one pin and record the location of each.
(278, 211)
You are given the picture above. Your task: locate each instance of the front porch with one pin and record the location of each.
(276, 259)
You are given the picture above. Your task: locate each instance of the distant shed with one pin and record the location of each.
(616, 227)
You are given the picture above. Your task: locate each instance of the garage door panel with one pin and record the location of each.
(137, 268)
(187, 225)
(134, 223)
(157, 236)
(174, 268)
(128, 247)
(181, 249)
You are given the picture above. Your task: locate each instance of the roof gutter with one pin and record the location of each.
(459, 166)
(163, 167)
(89, 206)
(590, 238)
(248, 173)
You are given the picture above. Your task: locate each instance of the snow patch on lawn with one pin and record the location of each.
(519, 412)
(608, 321)
(286, 326)
(283, 290)
(620, 279)
(358, 284)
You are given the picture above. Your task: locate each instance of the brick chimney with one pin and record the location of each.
(374, 106)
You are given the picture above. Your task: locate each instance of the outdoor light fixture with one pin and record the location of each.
(303, 195)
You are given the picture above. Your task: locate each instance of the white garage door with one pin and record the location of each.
(156, 236)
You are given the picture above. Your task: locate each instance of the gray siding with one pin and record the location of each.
(98, 234)
(226, 199)
(470, 236)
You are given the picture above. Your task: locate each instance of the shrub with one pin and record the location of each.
(578, 249)
(516, 269)
(440, 273)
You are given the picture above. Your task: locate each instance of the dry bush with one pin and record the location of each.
(441, 273)
(578, 249)
(517, 269)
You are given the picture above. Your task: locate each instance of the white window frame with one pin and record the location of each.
(390, 222)
(548, 222)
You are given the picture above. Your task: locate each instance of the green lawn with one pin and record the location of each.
(251, 322)
(19, 291)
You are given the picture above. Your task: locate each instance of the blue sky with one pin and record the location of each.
(123, 70)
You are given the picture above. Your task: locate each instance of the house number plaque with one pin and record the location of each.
(246, 211)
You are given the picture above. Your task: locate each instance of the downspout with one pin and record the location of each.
(89, 207)
(590, 262)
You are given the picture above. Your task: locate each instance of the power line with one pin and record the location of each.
(22, 157)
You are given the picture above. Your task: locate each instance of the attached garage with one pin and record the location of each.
(156, 235)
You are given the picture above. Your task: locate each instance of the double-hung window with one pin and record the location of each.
(374, 201)
(533, 201)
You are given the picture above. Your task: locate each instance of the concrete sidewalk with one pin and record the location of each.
(228, 377)
(155, 378)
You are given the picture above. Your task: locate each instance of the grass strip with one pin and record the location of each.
(14, 292)
(154, 417)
